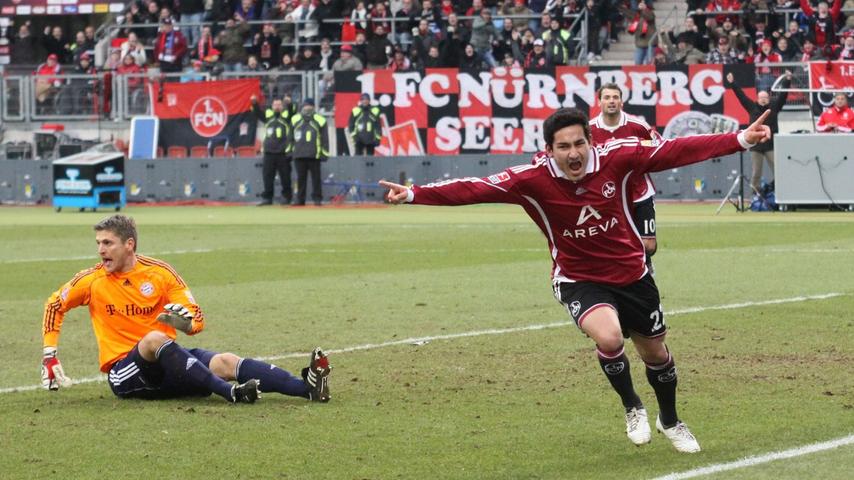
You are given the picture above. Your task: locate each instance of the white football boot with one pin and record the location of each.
(681, 437)
(637, 426)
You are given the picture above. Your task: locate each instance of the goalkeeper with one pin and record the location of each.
(136, 304)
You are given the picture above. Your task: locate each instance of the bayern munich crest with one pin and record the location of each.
(146, 289)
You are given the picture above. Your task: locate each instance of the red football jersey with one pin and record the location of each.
(588, 224)
(629, 126)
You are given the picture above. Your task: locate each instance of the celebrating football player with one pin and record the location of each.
(580, 196)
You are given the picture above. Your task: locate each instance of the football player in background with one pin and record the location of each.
(613, 123)
(136, 303)
(579, 196)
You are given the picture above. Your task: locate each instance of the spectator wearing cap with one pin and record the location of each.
(23, 46)
(266, 46)
(766, 55)
(230, 42)
(763, 152)
(724, 54)
(310, 147)
(838, 118)
(170, 47)
(46, 82)
(537, 58)
(347, 61)
(737, 39)
(364, 126)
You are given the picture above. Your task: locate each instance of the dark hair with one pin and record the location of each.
(565, 117)
(122, 226)
(608, 86)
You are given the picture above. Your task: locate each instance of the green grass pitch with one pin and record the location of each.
(771, 373)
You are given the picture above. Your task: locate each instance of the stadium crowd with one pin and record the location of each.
(327, 35)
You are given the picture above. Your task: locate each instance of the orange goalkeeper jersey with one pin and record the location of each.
(123, 306)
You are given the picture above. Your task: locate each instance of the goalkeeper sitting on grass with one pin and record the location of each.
(136, 304)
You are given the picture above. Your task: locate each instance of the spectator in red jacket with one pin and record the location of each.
(838, 118)
(170, 47)
(47, 83)
(129, 66)
(764, 75)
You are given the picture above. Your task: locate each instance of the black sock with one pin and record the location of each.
(663, 380)
(616, 368)
(273, 378)
(186, 368)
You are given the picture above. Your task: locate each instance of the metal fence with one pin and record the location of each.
(107, 96)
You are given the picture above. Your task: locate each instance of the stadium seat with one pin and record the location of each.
(247, 151)
(223, 151)
(176, 152)
(199, 151)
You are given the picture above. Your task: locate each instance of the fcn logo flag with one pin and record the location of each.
(196, 113)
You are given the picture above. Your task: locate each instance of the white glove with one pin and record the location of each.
(53, 376)
(178, 316)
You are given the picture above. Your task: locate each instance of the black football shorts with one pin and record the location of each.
(638, 304)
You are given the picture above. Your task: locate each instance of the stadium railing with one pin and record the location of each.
(127, 95)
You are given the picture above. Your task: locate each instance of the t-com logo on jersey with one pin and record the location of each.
(208, 116)
(590, 223)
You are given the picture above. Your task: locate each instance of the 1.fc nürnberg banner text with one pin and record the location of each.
(448, 111)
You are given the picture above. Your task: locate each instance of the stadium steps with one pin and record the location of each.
(668, 13)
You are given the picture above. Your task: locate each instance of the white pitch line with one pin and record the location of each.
(94, 258)
(758, 459)
(476, 333)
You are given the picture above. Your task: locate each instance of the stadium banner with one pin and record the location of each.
(59, 7)
(198, 113)
(447, 111)
(834, 75)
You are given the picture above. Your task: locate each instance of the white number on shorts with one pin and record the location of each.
(649, 226)
(658, 321)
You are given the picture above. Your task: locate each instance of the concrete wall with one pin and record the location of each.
(351, 178)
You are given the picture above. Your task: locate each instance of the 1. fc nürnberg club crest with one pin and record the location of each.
(609, 189)
(208, 116)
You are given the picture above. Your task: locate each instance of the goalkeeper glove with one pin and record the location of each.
(53, 376)
(178, 316)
